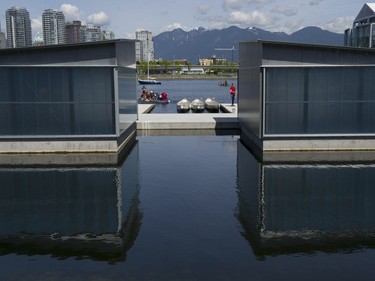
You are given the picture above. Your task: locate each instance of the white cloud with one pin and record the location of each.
(129, 35)
(71, 12)
(100, 19)
(286, 11)
(173, 26)
(37, 25)
(314, 2)
(203, 9)
(339, 24)
(289, 26)
(218, 25)
(254, 18)
(239, 4)
(234, 4)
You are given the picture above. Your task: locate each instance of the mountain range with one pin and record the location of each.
(201, 43)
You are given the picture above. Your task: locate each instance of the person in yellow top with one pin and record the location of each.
(232, 91)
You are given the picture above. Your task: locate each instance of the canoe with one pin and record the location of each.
(197, 105)
(183, 105)
(211, 105)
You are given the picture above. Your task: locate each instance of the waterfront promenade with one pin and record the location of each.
(187, 121)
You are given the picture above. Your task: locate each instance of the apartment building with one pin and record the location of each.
(18, 27)
(53, 27)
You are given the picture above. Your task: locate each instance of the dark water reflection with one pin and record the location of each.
(70, 212)
(306, 208)
(188, 208)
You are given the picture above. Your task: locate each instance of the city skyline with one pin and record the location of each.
(124, 18)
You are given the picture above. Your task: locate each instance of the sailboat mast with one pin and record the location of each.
(148, 65)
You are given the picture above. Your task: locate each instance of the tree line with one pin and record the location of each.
(170, 67)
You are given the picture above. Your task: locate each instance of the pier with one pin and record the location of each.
(227, 119)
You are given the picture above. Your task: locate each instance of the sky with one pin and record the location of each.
(124, 17)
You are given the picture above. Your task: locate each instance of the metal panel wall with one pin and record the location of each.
(250, 87)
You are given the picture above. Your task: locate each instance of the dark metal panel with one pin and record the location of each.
(250, 90)
(104, 53)
(279, 53)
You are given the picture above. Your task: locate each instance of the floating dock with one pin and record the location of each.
(227, 119)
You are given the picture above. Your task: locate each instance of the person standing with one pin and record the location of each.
(232, 91)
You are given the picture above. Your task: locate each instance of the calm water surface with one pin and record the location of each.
(188, 208)
(190, 89)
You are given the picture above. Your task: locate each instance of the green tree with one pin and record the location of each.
(166, 64)
(142, 67)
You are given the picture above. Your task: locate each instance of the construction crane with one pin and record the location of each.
(227, 49)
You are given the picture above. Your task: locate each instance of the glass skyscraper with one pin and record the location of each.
(18, 27)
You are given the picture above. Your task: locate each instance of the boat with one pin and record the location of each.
(211, 105)
(183, 105)
(197, 105)
(145, 101)
(149, 80)
(224, 84)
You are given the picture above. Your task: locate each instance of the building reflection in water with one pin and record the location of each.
(82, 212)
(304, 208)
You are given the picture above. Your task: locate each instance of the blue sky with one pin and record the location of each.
(124, 17)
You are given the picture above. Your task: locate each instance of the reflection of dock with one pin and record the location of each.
(180, 121)
(303, 208)
(88, 212)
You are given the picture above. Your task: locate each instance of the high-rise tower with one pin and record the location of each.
(144, 48)
(73, 32)
(53, 27)
(18, 27)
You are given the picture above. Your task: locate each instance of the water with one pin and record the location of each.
(190, 89)
(188, 208)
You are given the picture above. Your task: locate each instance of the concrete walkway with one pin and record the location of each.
(187, 121)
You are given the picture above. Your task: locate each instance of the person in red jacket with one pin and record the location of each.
(232, 91)
(164, 96)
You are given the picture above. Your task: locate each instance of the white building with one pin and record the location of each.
(53, 27)
(192, 70)
(91, 33)
(144, 49)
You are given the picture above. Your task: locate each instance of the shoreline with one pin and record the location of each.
(190, 77)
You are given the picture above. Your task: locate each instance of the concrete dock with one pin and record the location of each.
(187, 121)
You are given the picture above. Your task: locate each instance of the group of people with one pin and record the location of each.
(147, 95)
